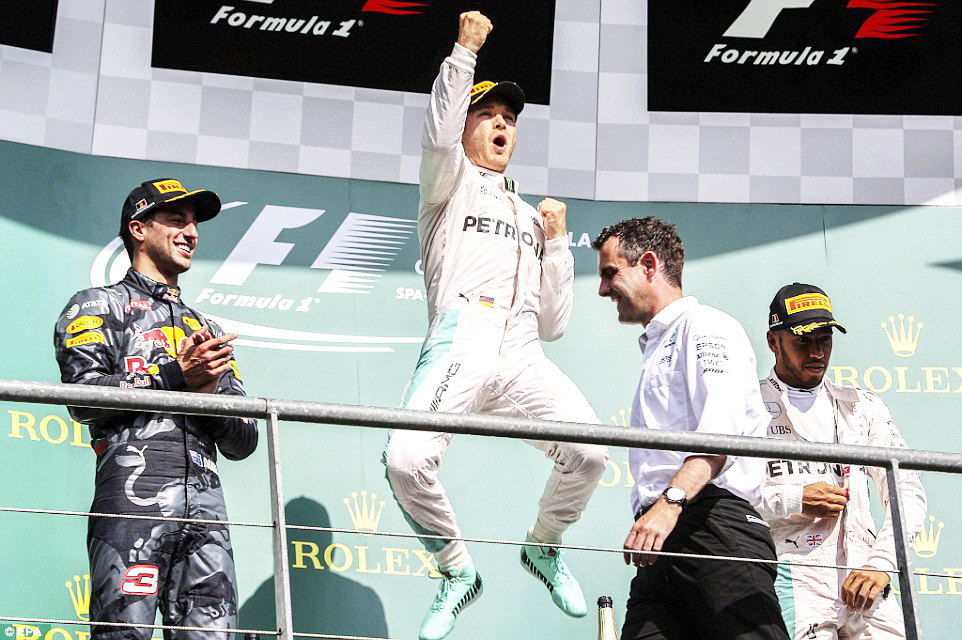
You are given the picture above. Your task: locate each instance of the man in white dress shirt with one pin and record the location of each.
(699, 376)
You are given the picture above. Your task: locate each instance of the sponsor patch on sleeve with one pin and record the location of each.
(91, 337)
(813, 540)
(83, 323)
(711, 352)
(139, 305)
(203, 461)
(95, 303)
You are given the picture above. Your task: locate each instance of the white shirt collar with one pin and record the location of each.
(664, 318)
(502, 181)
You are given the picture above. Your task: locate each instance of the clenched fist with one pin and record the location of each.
(553, 213)
(822, 500)
(475, 28)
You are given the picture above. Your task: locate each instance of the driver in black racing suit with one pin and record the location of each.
(138, 334)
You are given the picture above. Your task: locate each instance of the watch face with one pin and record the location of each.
(675, 494)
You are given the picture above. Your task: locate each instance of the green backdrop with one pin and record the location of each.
(326, 332)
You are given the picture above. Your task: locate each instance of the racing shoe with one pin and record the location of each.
(459, 588)
(546, 564)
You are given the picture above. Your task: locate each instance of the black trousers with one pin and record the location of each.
(682, 598)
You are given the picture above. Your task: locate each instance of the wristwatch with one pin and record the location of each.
(676, 495)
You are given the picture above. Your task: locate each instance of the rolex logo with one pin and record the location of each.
(926, 544)
(903, 340)
(80, 595)
(364, 514)
(620, 419)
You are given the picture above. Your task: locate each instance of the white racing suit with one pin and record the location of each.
(494, 287)
(811, 597)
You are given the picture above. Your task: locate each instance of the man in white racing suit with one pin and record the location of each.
(820, 512)
(499, 278)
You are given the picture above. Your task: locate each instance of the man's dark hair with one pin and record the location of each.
(638, 235)
(129, 239)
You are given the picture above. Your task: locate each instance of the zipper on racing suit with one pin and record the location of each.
(506, 188)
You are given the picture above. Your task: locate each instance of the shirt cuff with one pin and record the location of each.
(463, 58)
(556, 247)
(880, 563)
(792, 498)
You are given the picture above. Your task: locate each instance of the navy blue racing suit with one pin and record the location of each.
(128, 335)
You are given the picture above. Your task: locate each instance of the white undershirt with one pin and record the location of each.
(816, 409)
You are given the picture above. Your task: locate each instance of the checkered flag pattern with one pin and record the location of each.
(97, 93)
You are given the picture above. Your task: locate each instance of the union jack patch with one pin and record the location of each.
(813, 540)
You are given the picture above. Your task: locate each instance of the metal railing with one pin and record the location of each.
(273, 410)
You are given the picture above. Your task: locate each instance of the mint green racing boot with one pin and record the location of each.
(458, 590)
(546, 564)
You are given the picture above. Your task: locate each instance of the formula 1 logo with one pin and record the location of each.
(390, 45)
(363, 247)
(883, 57)
(308, 25)
(759, 16)
(393, 7)
(355, 258)
(886, 20)
(890, 19)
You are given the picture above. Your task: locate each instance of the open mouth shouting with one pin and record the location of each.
(500, 143)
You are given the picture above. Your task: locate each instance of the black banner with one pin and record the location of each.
(381, 44)
(806, 56)
(28, 24)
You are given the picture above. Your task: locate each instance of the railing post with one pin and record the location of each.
(282, 577)
(913, 629)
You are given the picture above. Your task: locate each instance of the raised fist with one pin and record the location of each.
(475, 28)
(553, 215)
